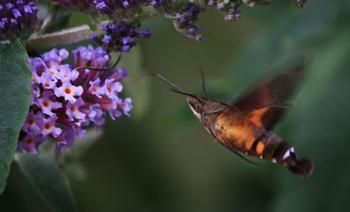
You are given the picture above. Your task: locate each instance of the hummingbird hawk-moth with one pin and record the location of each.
(244, 126)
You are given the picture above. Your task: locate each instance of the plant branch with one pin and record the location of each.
(67, 36)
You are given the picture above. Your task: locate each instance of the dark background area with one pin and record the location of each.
(161, 159)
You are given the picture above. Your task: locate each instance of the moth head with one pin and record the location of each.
(196, 104)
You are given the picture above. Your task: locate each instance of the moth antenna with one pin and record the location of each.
(204, 90)
(102, 69)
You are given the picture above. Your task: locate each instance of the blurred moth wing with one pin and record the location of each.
(266, 104)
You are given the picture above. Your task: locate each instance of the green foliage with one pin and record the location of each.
(71, 159)
(321, 132)
(49, 181)
(15, 87)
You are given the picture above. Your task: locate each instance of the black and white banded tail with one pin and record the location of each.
(278, 151)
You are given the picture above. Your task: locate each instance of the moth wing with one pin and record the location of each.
(266, 104)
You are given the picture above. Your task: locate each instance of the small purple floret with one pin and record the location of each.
(120, 36)
(185, 20)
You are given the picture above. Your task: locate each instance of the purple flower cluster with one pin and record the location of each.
(67, 99)
(300, 3)
(18, 18)
(230, 8)
(120, 36)
(185, 20)
(109, 6)
(156, 3)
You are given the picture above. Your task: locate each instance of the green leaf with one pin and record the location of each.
(139, 90)
(49, 181)
(15, 92)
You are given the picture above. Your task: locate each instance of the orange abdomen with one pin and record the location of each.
(238, 133)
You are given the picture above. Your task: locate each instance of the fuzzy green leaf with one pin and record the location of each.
(49, 181)
(15, 92)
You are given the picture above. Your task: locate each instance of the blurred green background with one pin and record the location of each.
(161, 159)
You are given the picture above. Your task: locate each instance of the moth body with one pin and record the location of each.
(244, 126)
